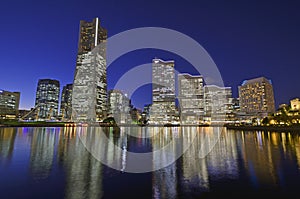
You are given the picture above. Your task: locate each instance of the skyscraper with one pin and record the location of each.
(66, 102)
(9, 104)
(119, 106)
(217, 103)
(190, 90)
(256, 96)
(163, 92)
(47, 98)
(89, 98)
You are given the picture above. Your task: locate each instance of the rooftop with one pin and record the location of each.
(256, 80)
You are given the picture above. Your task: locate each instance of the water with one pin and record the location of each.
(54, 163)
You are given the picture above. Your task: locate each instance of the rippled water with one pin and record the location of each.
(75, 163)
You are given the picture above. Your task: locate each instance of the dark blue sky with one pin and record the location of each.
(246, 39)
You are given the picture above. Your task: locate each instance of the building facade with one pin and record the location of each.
(146, 110)
(163, 92)
(295, 104)
(47, 99)
(89, 97)
(119, 106)
(256, 96)
(217, 103)
(66, 102)
(190, 95)
(9, 104)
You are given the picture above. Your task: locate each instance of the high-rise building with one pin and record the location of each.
(217, 103)
(119, 106)
(89, 97)
(47, 98)
(9, 104)
(256, 96)
(190, 95)
(66, 102)
(163, 92)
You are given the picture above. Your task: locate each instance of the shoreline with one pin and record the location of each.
(294, 128)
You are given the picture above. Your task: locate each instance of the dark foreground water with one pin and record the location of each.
(64, 163)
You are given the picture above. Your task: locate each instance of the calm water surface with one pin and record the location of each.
(54, 163)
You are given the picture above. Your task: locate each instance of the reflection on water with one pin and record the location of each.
(83, 174)
(7, 141)
(210, 160)
(42, 151)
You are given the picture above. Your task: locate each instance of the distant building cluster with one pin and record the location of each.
(87, 97)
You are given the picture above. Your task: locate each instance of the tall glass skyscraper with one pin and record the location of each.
(89, 98)
(163, 92)
(47, 98)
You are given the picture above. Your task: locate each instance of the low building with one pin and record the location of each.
(9, 104)
(295, 104)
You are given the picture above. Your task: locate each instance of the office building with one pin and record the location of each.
(190, 95)
(66, 102)
(47, 99)
(119, 106)
(163, 92)
(89, 97)
(217, 103)
(9, 104)
(256, 96)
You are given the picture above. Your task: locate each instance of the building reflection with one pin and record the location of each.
(208, 157)
(194, 169)
(208, 152)
(42, 152)
(259, 158)
(222, 159)
(264, 154)
(108, 145)
(165, 180)
(297, 149)
(7, 142)
(83, 173)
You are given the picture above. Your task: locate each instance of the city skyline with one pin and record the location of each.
(149, 99)
(246, 40)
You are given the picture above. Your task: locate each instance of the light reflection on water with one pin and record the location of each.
(36, 161)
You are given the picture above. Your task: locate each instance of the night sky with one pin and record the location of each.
(246, 39)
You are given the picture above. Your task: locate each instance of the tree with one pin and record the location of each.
(265, 121)
(110, 120)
